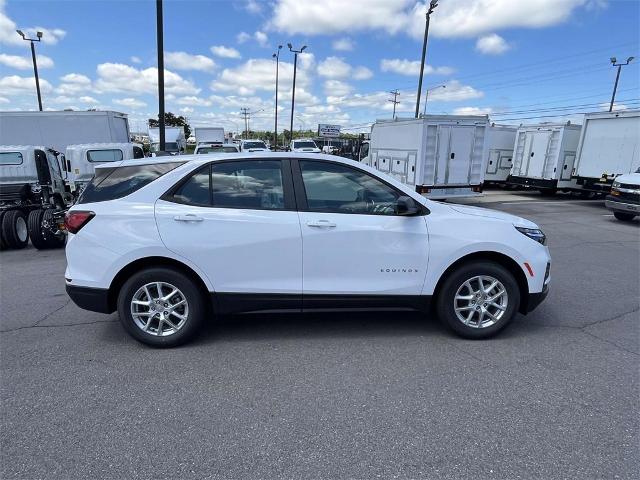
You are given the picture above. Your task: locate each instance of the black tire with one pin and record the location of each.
(445, 306)
(52, 240)
(191, 293)
(548, 192)
(625, 217)
(36, 234)
(14, 229)
(3, 245)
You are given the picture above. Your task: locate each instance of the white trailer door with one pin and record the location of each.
(460, 155)
(538, 153)
(442, 157)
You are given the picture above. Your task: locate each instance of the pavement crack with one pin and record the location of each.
(597, 322)
(52, 312)
(10, 330)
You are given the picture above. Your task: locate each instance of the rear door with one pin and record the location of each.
(538, 153)
(236, 220)
(459, 161)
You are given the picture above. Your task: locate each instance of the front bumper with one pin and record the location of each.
(536, 299)
(613, 203)
(92, 299)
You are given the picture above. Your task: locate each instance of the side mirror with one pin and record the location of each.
(407, 206)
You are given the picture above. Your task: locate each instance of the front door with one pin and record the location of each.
(353, 241)
(236, 220)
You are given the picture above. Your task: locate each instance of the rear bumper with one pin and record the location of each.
(536, 299)
(532, 182)
(92, 299)
(613, 203)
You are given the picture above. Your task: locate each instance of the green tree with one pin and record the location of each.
(171, 120)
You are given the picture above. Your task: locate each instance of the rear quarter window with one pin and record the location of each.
(118, 182)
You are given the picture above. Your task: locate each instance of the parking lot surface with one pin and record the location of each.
(359, 395)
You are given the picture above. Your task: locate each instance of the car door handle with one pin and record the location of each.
(321, 224)
(189, 217)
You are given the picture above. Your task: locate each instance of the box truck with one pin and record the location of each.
(209, 135)
(57, 130)
(501, 139)
(441, 156)
(609, 146)
(175, 142)
(544, 155)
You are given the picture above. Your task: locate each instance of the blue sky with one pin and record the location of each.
(517, 60)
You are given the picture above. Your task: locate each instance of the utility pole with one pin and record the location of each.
(35, 63)
(293, 90)
(245, 113)
(275, 128)
(432, 6)
(395, 100)
(615, 85)
(160, 38)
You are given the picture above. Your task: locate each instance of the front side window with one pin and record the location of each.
(196, 190)
(103, 156)
(331, 187)
(255, 184)
(117, 182)
(138, 152)
(10, 158)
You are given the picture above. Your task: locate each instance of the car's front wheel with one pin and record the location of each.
(625, 217)
(478, 300)
(161, 307)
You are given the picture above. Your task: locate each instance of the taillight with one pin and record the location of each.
(76, 219)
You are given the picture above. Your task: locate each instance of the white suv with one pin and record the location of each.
(168, 242)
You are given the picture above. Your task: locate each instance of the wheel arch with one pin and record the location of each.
(149, 262)
(501, 259)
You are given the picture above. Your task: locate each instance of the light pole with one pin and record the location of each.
(615, 85)
(35, 63)
(160, 38)
(432, 6)
(293, 90)
(275, 128)
(426, 97)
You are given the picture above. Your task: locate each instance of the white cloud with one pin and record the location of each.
(411, 67)
(135, 59)
(242, 37)
(4, 100)
(186, 61)
(454, 91)
(88, 99)
(261, 38)
(253, 7)
(225, 52)
(362, 73)
(16, 85)
(343, 44)
(492, 44)
(337, 88)
(9, 36)
(472, 111)
(186, 110)
(24, 63)
(74, 83)
(130, 102)
(334, 67)
(455, 18)
(193, 101)
(117, 77)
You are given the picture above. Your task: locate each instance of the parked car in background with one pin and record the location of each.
(175, 142)
(225, 148)
(170, 239)
(624, 199)
(253, 146)
(304, 145)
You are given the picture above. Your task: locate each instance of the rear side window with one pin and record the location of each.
(10, 158)
(112, 155)
(118, 182)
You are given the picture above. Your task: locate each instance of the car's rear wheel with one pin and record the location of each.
(478, 300)
(161, 307)
(625, 217)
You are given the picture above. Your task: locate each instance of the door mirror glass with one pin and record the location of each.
(406, 206)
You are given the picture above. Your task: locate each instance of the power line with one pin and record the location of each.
(395, 100)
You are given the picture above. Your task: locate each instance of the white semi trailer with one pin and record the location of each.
(544, 155)
(57, 130)
(501, 139)
(441, 156)
(609, 146)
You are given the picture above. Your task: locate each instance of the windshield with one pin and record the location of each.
(168, 147)
(217, 150)
(254, 145)
(304, 144)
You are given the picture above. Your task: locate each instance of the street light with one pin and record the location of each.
(35, 63)
(432, 6)
(615, 85)
(426, 97)
(275, 129)
(293, 90)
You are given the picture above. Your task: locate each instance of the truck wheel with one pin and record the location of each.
(14, 229)
(625, 217)
(478, 300)
(3, 245)
(548, 192)
(53, 240)
(38, 239)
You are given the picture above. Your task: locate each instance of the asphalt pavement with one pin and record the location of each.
(384, 395)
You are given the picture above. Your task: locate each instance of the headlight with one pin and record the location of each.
(615, 184)
(534, 234)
